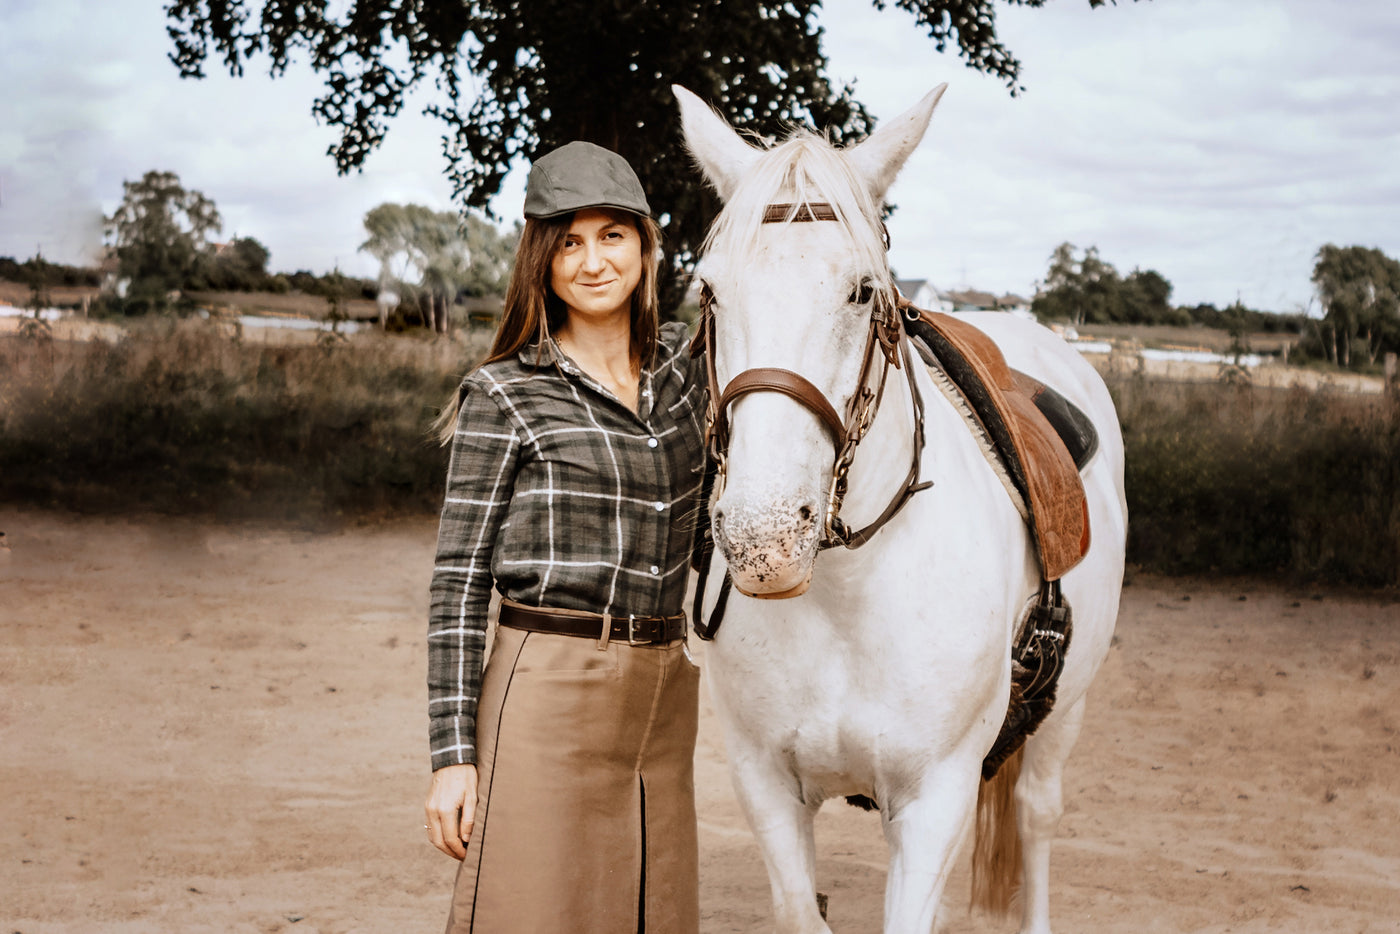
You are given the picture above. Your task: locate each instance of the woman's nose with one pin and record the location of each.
(592, 258)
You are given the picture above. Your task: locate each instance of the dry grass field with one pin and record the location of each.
(313, 306)
(292, 304)
(1197, 337)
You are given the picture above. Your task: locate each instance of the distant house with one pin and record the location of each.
(973, 300)
(924, 295)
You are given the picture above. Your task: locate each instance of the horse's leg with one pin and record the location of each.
(782, 823)
(925, 833)
(1039, 804)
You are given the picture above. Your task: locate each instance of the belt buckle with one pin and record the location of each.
(631, 628)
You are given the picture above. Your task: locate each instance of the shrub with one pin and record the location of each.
(1237, 479)
(1223, 478)
(180, 418)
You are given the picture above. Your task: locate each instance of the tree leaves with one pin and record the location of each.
(159, 231)
(1090, 291)
(520, 77)
(1360, 292)
(437, 253)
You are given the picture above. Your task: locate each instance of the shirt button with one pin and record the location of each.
(659, 506)
(651, 442)
(655, 569)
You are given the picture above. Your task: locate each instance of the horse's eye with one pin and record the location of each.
(862, 294)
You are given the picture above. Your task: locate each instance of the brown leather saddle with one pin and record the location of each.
(1043, 441)
(1041, 438)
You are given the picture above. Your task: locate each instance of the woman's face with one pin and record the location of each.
(599, 266)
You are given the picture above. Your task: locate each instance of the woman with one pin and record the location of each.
(563, 774)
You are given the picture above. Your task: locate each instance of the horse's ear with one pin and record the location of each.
(721, 153)
(880, 157)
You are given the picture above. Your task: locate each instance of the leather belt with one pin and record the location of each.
(634, 630)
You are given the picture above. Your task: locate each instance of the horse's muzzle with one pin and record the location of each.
(770, 549)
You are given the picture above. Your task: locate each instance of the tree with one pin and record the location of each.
(551, 71)
(1359, 288)
(492, 257)
(237, 266)
(159, 232)
(1147, 295)
(437, 255)
(1080, 291)
(1090, 291)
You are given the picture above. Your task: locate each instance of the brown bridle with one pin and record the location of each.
(884, 339)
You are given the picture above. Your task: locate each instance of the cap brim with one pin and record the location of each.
(585, 207)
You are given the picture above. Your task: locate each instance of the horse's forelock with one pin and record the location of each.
(805, 168)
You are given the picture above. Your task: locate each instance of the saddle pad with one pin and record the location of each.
(1073, 427)
(1036, 458)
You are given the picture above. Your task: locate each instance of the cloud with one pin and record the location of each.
(99, 103)
(1220, 144)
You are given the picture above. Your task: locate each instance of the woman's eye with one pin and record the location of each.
(862, 293)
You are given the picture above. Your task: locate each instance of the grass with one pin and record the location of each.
(179, 419)
(1191, 338)
(292, 304)
(1222, 478)
(1236, 479)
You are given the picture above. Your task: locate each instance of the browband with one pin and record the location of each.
(807, 211)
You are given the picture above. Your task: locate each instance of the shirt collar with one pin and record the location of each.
(553, 355)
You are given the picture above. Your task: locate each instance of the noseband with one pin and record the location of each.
(885, 339)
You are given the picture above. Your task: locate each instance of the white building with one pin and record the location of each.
(924, 295)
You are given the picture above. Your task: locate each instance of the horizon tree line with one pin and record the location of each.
(161, 239)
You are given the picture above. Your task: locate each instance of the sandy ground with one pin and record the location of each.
(209, 728)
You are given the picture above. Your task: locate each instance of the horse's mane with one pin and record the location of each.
(805, 168)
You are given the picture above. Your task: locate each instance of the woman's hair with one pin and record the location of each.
(533, 312)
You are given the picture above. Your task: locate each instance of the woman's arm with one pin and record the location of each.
(480, 478)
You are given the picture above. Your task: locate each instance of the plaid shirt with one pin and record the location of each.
(563, 497)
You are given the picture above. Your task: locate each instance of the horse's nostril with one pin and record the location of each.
(805, 513)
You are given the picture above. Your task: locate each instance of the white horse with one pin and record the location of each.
(886, 670)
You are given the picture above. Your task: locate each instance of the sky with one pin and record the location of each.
(1218, 143)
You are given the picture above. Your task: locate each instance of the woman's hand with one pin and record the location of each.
(450, 809)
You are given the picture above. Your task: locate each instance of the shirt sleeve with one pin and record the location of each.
(480, 479)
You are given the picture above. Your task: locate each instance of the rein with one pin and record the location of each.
(885, 339)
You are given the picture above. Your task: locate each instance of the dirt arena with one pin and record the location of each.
(221, 729)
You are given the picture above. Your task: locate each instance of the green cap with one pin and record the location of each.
(581, 175)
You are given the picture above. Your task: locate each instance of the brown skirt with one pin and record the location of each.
(585, 815)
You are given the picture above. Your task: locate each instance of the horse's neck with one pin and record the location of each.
(883, 458)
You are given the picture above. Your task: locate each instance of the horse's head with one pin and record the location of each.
(794, 269)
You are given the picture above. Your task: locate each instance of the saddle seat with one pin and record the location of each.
(1041, 438)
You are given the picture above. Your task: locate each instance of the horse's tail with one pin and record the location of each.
(996, 855)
